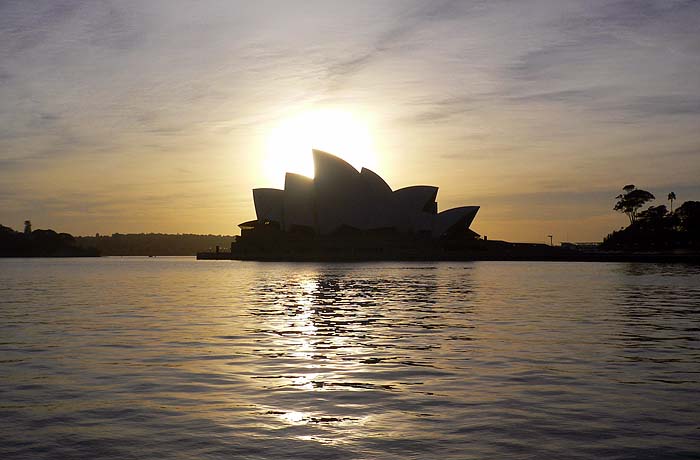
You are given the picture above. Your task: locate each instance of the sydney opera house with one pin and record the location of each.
(341, 204)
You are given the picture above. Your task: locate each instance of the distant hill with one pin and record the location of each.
(41, 243)
(155, 244)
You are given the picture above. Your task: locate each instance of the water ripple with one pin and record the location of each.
(173, 358)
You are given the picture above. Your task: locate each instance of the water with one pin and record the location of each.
(174, 358)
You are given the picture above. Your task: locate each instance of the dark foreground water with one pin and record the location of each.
(178, 359)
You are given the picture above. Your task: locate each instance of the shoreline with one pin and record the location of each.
(632, 258)
(493, 251)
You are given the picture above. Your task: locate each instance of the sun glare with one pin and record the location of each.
(338, 132)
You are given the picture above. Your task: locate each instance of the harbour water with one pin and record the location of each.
(121, 358)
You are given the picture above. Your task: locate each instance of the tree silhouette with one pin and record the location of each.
(689, 216)
(657, 229)
(631, 201)
(671, 197)
(654, 216)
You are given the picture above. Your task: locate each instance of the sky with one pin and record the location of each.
(161, 116)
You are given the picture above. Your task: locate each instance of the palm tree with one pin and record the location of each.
(671, 197)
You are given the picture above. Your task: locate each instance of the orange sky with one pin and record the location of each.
(163, 117)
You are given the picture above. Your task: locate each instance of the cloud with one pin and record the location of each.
(629, 15)
(561, 59)
(566, 96)
(398, 33)
(25, 25)
(518, 91)
(663, 105)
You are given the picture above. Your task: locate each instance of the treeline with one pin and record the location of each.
(657, 227)
(41, 243)
(155, 244)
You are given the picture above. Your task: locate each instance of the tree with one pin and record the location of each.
(654, 215)
(671, 197)
(631, 201)
(689, 216)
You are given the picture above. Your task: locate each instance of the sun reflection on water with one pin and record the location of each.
(338, 353)
(293, 417)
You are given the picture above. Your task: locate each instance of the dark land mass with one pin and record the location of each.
(154, 244)
(269, 243)
(41, 243)
(491, 251)
(658, 229)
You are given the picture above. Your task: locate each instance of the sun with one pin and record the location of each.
(339, 132)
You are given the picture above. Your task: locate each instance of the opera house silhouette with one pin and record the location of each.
(342, 210)
(341, 198)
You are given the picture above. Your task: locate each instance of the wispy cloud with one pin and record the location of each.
(663, 105)
(497, 95)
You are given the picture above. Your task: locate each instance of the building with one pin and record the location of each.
(339, 200)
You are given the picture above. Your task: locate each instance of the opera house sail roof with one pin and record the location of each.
(340, 197)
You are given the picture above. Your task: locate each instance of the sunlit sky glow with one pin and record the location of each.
(163, 115)
(290, 142)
